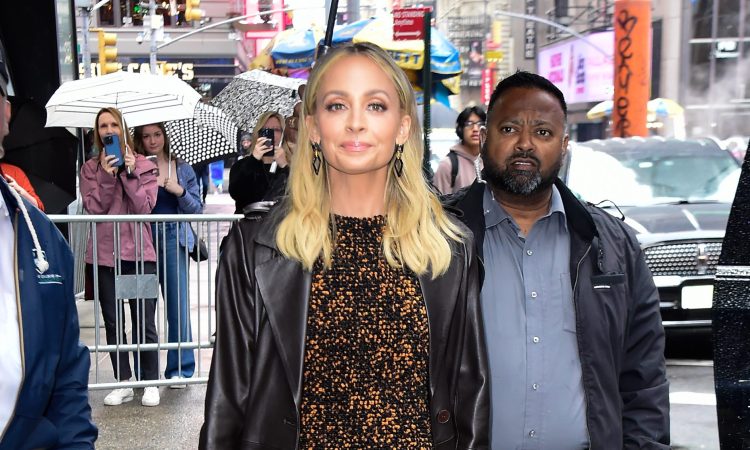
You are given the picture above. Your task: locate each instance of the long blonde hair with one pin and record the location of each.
(417, 230)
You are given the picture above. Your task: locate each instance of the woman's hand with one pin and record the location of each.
(279, 155)
(261, 148)
(16, 187)
(173, 187)
(108, 163)
(129, 159)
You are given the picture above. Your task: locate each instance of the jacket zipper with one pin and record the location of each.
(20, 325)
(575, 304)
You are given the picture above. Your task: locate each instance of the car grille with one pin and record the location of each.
(687, 259)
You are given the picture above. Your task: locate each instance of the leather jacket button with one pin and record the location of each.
(443, 416)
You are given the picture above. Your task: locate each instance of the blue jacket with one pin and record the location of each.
(52, 410)
(190, 203)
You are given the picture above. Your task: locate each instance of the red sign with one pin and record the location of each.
(408, 23)
(487, 85)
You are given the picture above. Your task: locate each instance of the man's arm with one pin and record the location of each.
(643, 383)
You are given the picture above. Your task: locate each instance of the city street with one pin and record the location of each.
(175, 423)
(590, 147)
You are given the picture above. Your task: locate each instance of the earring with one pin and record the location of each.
(398, 165)
(317, 160)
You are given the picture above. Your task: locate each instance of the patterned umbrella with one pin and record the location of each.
(252, 93)
(210, 135)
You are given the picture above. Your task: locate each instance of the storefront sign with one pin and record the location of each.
(582, 73)
(182, 70)
(487, 86)
(529, 48)
(468, 34)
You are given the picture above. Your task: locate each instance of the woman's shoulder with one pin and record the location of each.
(250, 238)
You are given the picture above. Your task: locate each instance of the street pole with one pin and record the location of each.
(86, 46)
(86, 10)
(427, 93)
(154, 48)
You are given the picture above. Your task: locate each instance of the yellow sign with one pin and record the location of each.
(493, 55)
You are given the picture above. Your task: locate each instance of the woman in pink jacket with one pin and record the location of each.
(109, 186)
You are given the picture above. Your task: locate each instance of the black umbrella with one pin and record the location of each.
(46, 155)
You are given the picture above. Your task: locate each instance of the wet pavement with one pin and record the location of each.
(175, 423)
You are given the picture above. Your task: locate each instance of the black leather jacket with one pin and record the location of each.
(255, 384)
(620, 335)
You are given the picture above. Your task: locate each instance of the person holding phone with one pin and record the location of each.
(120, 181)
(251, 177)
(178, 194)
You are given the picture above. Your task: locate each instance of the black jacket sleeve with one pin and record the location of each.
(248, 182)
(473, 398)
(231, 363)
(644, 389)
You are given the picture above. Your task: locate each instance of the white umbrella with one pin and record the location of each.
(208, 136)
(252, 93)
(142, 99)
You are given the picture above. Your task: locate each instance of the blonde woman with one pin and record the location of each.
(251, 177)
(128, 188)
(349, 316)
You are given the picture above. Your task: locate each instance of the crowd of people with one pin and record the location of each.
(362, 306)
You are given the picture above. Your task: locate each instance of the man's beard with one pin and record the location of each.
(519, 182)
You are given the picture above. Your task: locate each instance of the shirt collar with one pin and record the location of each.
(495, 214)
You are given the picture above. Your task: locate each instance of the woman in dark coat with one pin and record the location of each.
(349, 316)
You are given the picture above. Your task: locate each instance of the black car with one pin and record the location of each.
(676, 195)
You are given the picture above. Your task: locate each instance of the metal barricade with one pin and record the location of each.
(183, 316)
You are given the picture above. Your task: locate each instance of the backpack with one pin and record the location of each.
(453, 156)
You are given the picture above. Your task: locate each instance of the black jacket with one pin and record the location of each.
(255, 383)
(251, 181)
(620, 335)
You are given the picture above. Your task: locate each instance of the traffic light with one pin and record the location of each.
(107, 53)
(191, 10)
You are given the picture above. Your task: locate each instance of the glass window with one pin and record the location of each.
(729, 18)
(106, 15)
(700, 57)
(639, 177)
(702, 13)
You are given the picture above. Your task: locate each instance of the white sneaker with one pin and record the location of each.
(150, 396)
(177, 386)
(118, 397)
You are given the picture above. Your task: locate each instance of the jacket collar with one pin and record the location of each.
(469, 202)
(577, 216)
(285, 288)
(10, 200)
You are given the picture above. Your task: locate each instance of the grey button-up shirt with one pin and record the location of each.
(538, 400)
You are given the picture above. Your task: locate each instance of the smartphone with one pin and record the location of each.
(268, 134)
(112, 147)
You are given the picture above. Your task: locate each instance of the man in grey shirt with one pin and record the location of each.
(571, 312)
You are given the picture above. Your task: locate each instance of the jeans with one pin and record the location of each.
(173, 279)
